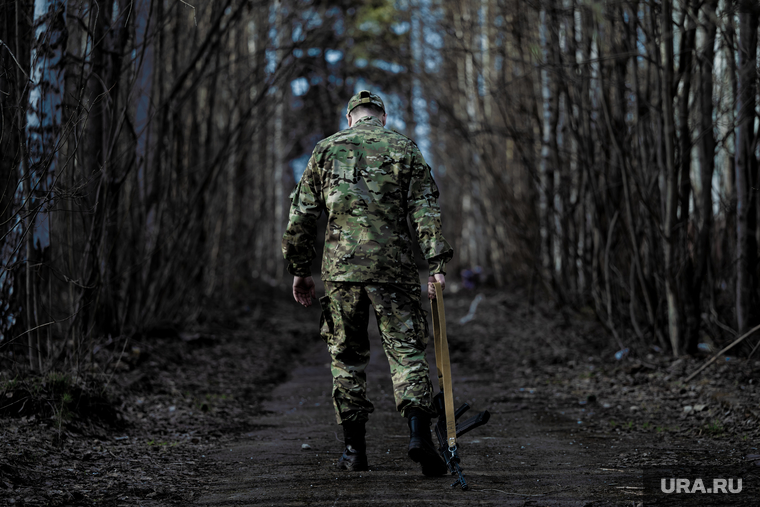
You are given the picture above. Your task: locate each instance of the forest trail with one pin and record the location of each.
(219, 418)
(523, 456)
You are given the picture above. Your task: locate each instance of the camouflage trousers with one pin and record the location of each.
(403, 328)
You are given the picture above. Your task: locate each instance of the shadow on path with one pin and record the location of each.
(523, 456)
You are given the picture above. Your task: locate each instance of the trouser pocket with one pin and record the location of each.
(326, 325)
(423, 318)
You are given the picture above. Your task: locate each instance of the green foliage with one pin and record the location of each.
(375, 17)
(596, 8)
(59, 389)
(377, 32)
(63, 413)
(153, 442)
(57, 396)
(713, 429)
(536, 52)
(58, 382)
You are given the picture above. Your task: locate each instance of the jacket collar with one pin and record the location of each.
(369, 120)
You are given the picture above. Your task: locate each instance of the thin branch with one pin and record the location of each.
(129, 13)
(509, 492)
(716, 356)
(14, 58)
(195, 20)
(40, 326)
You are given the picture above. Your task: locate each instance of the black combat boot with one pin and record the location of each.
(421, 447)
(355, 456)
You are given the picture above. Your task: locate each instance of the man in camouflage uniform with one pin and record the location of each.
(368, 180)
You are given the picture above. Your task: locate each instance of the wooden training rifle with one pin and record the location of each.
(446, 429)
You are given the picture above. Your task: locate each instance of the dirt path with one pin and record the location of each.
(219, 417)
(523, 456)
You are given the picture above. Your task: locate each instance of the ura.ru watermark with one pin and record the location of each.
(686, 485)
(714, 486)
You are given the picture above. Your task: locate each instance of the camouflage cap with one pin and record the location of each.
(365, 97)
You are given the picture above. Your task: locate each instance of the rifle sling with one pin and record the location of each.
(443, 363)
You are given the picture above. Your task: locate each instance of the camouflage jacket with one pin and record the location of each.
(368, 180)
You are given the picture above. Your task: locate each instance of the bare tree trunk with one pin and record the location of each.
(154, 205)
(685, 279)
(204, 213)
(39, 167)
(729, 180)
(706, 168)
(14, 59)
(590, 213)
(236, 175)
(552, 162)
(144, 136)
(260, 168)
(671, 178)
(639, 176)
(278, 147)
(746, 167)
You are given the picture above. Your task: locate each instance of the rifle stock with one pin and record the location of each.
(446, 429)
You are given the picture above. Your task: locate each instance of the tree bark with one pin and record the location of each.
(40, 165)
(746, 167)
(706, 168)
(671, 178)
(685, 279)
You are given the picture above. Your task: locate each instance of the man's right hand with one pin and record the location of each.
(431, 280)
(304, 290)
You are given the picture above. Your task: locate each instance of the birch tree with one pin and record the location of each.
(29, 239)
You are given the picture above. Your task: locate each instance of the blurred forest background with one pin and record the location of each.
(602, 152)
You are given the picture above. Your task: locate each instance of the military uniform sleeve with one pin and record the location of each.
(305, 207)
(426, 214)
